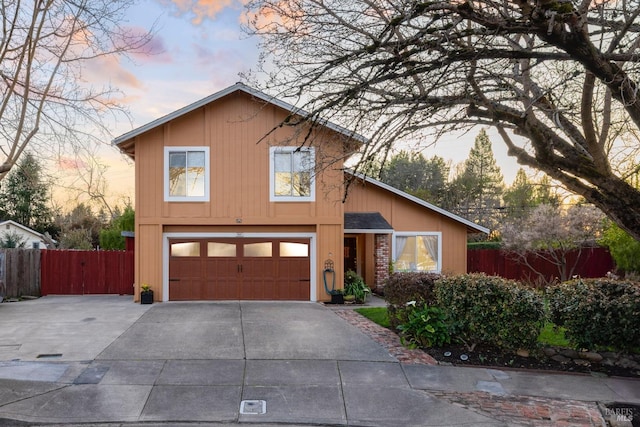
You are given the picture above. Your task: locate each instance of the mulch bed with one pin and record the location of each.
(495, 357)
(481, 355)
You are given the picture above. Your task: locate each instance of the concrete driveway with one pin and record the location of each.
(106, 359)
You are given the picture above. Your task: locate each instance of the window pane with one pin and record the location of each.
(427, 252)
(263, 249)
(195, 173)
(302, 184)
(282, 162)
(217, 249)
(195, 159)
(406, 254)
(302, 161)
(185, 249)
(283, 184)
(290, 249)
(177, 173)
(177, 159)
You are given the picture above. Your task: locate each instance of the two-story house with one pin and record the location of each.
(230, 205)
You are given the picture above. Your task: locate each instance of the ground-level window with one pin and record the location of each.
(417, 252)
(186, 174)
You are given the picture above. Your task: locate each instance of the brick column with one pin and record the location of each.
(382, 258)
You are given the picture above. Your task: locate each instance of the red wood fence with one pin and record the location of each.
(593, 262)
(70, 272)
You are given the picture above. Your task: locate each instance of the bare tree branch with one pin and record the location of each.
(558, 79)
(44, 47)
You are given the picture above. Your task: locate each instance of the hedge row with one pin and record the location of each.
(491, 310)
(596, 313)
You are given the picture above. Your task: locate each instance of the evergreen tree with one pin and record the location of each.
(418, 176)
(479, 185)
(111, 238)
(544, 194)
(519, 198)
(24, 196)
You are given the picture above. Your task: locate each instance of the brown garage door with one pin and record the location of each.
(239, 269)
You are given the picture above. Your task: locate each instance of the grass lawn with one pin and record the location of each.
(548, 336)
(376, 314)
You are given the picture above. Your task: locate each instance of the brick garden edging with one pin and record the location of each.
(513, 410)
(529, 411)
(386, 338)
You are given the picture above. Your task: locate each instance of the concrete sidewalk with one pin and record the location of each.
(252, 362)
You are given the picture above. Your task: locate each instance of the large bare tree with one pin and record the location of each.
(45, 95)
(558, 79)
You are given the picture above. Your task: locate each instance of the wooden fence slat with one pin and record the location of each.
(593, 262)
(71, 272)
(19, 272)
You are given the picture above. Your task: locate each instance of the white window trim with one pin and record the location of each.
(207, 175)
(272, 180)
(415, 234)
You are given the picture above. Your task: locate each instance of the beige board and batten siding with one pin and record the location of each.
(405, 215)
(234, 127)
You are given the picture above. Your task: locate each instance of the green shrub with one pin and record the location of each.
(491, 310)
(401, 287)
(625, 250)
(354, 285)
(426, 326)
(597, 313)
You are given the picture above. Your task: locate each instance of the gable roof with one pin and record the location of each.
(221, 94)
(471, 226)
(22, 227)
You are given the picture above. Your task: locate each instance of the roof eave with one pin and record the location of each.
(368, 231)
(471, 227)
(220, 94)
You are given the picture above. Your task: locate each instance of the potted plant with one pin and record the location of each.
(355, 287)
(146, 294)
(337, 296)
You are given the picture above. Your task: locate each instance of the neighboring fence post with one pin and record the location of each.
(3, 283)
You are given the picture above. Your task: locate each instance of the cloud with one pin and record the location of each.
(69, 163)
(201, 9)
(154, 51)
(109, 69)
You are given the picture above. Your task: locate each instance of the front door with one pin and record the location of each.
(350, 254)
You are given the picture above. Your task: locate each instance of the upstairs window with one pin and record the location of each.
(292, 170)
(186, 174)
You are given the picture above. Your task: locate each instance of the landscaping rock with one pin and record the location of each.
(609, 355)
(626, 362)
(571, 354)
(522, 352)
(549, 351)
(591, 356)
(560, 358)
(581, 362)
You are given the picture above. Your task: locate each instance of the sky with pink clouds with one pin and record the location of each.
(199, 48)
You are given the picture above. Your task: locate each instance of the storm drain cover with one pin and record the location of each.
(253, 407)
